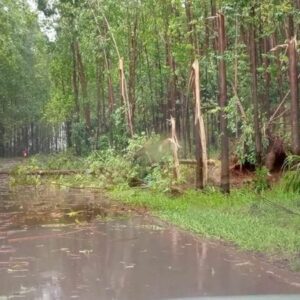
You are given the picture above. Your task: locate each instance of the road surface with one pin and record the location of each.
(74, 244)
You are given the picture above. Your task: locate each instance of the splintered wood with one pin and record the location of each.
(175, 146)
(200, 136)
(124, 94)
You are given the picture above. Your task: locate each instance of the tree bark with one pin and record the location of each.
(133, 54)
(75, 82)
(83, 83)
(295, 115)
(225, 185)
(254, 90)
(200, 137)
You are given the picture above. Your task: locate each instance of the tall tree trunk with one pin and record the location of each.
(267, 78)
(111, 96)
(293, 75)
(200, 137)
(98, 96)
(83, 84)
(75, 82)
(193, 37)
(225, 185)
(133, 54)
(170, 63)
(254, 90)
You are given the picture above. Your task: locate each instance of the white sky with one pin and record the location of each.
(46, 24)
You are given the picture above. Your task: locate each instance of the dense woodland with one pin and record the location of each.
(226, 71)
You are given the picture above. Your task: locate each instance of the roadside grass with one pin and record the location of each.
(249, 221)
(266, 222)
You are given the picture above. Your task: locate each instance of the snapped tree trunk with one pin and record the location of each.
(124, 94)
(175, 146)
(200, 136)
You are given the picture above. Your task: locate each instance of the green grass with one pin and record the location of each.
(268, 223)
(243, 218)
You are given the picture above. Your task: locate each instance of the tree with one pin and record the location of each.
(225, 186)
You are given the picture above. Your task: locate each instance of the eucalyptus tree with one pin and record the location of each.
(23, 74)
(157, 41)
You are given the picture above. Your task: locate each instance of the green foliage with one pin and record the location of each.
(292, 176)
(244, 148)
(109, 167)
(103, 143)
(261, 182)
(151, 160)
(161, 177)
(59, 108)
(119, 128)
(24, 80)
(80, 138)
(144, 159)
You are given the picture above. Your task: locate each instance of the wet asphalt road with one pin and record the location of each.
(73, 244)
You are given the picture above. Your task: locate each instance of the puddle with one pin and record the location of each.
(44, 206)
(74, 244)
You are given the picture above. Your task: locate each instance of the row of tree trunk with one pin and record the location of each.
(35, 138)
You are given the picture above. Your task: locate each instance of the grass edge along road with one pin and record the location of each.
(267, 223)
(249, 221)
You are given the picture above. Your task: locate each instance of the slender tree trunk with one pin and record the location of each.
(133, 55)
(267, 78)
(75, 82)
(254, 90)
(83, 83)
(200, 138)
(69, 133)
(293, 75)
(225, 185)
(111, 96)
(98, 96)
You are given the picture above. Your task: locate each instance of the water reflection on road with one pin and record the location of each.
(76, 245)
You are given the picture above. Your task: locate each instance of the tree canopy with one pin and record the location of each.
(118, 68)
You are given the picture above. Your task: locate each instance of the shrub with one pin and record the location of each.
(261, 182)
(292, 176)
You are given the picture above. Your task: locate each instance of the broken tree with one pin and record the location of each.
(200, 136)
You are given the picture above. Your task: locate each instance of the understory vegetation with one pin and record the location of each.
(259, 216)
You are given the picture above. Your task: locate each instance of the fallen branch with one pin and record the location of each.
(51, 172)
(282, 46)
(210, 162)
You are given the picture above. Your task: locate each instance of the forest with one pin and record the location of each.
(195, 101)
(90, 75)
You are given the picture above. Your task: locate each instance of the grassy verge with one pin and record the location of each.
(243, 218)
(267, 223)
